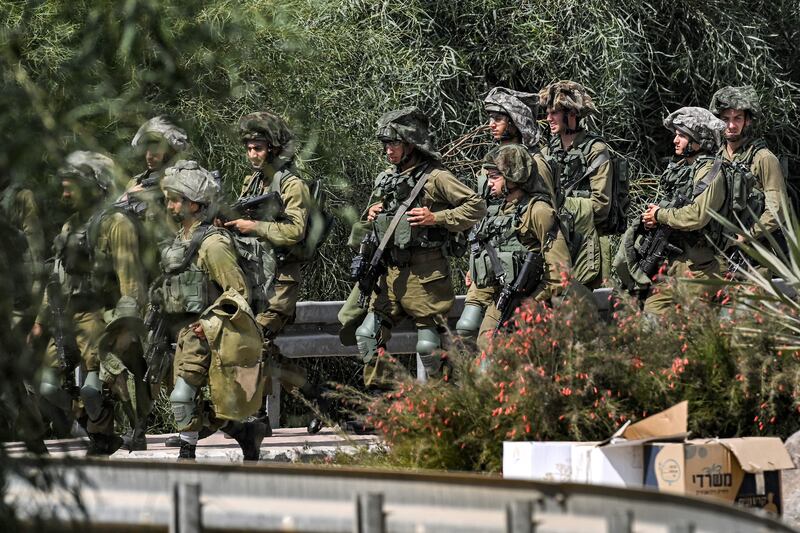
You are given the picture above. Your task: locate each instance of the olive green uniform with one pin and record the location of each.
(213, 270)
(589, 203)
(693, 221)
(93, 281)
(537, 224)
(286, 231)
(417, 282)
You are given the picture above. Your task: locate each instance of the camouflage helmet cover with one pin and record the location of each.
(569, 96)
(410, 125)
(521, 107)
(191, 181)
(90, 167)
(699, 124)
(158, 128)
(265, 126)
(512, 161)
(743, 98)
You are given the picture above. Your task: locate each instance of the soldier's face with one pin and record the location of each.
(180, 208)
(155, 156)
(497, 184)
(396, 150)
(681, 141)
(555, 120)
(257, 153)
(73, 195)
(735, 121)
(500, 125)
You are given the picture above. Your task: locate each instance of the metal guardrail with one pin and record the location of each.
(185, 497)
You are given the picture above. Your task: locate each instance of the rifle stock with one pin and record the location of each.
(526, 280)
(158, 348)
(67, 350)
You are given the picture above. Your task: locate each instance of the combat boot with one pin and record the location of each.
(174, 441)
(249, 436)
(103, 445)
(134, 440)
(187, 451)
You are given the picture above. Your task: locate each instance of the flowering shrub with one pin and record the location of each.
(564, 374)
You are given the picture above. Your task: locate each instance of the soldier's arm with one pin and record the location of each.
(601, 182)
(292, 228)
(467, 206)
(696, 215)
(123, 245)
(767, 167)
(545, 174)
(539, 219)
(218, 257)
(32, 228)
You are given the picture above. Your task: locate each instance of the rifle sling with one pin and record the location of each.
(497, 267)
(197, 239)
(570, 186)
(703, 184)
(401, 211)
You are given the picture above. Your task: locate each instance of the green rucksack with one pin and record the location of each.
(320, 222)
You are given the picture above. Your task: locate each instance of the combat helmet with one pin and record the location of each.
(160, 128)
(699, 124)
(517, 165)
(267, 127)
(742, 98)
(193, 182)
(567, 96)
(408, 125)
(90, 168)
(520, 107)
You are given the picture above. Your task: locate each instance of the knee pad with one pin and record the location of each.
(182, 401)
(367, 336)
(51, 390)
(470, 321)
(92, 395)
(428, 340)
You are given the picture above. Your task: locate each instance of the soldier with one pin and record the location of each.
(97, 271)
(270, 150)
(204, 294)
(417, 279)
(738, 108)
(524, 222)
(691, 177)
(586, 176)
(511, 121)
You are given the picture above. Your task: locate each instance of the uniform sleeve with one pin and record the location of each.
(696, 215)
(545, 174)
(538, 220)
(467, 207)
(218, 257)
(32, 228)
(601, 182)
(123, 245)
(291, 229)
(768, 169)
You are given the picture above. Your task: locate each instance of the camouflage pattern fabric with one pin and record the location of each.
(160, 128)
(699, 124)
(90, 167)
(408, 125)
(191, 181)
(568, 96)
(521, 107)
(514, 162)
(743, 98)
(265, 126)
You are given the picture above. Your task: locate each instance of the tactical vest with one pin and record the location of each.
(186, 287)
(499, 229)
(85, 271)
(678, 187)
(394, 189)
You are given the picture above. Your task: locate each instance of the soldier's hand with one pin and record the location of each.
(467, 279)
(649, 216)
(242, 225)
(421, 216)
(373, 211)
(197, 327)
(36, 331)
(136, 188)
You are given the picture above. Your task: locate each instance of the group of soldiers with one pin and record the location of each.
(163, 265)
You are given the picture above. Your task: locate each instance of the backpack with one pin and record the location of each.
(319, 225)
(258, 263)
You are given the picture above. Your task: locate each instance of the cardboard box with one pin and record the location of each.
(617, 461)
(744, 470)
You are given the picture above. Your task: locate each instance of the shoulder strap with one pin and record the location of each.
(401, 211)
(590, 170)
(705, 182)
(197, 239)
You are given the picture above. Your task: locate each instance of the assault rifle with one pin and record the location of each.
(529, 276)
(261, 207)
(655, 247)
(365, 269)
(67, 350)
(158, 348)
